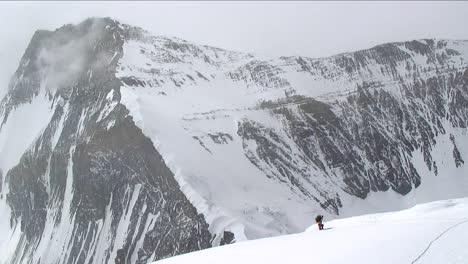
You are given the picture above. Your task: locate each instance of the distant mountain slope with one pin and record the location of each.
(428, 233)
(258, 141)
(118, 146)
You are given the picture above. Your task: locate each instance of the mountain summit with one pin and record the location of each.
(118, 146)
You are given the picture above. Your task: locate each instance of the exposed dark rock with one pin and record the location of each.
(228, 238)
(100, 170)
(456, 154)
(220, 138)
(132, 81)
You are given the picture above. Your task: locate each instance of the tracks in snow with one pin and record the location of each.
(435, 239)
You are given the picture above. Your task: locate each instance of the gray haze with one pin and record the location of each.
(314, 29)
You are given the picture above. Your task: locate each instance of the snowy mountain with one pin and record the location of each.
(428, 233)
(118, 146)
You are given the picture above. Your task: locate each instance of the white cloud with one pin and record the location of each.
(63, 58)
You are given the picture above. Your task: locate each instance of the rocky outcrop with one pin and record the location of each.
(92, 186)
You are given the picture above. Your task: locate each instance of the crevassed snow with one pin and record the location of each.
(434, 232)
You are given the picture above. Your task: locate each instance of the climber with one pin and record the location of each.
(318, 220)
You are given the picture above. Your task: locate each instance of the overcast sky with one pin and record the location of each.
(314, 29)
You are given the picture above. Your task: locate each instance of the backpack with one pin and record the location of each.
(319, 218)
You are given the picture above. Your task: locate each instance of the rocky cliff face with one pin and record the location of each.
(123, 147)
(332, 135)
(91, 187)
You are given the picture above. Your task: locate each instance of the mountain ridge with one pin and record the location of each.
(431, 232)
(141, 147)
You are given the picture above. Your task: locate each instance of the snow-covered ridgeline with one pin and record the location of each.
(435, 232)
(201, 117)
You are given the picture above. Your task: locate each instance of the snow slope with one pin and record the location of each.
(245, 166)
(434, 232)
(14, 139)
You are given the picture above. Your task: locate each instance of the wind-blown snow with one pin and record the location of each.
(435, 232)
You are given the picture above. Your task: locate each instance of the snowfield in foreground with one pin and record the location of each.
(434, 232)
